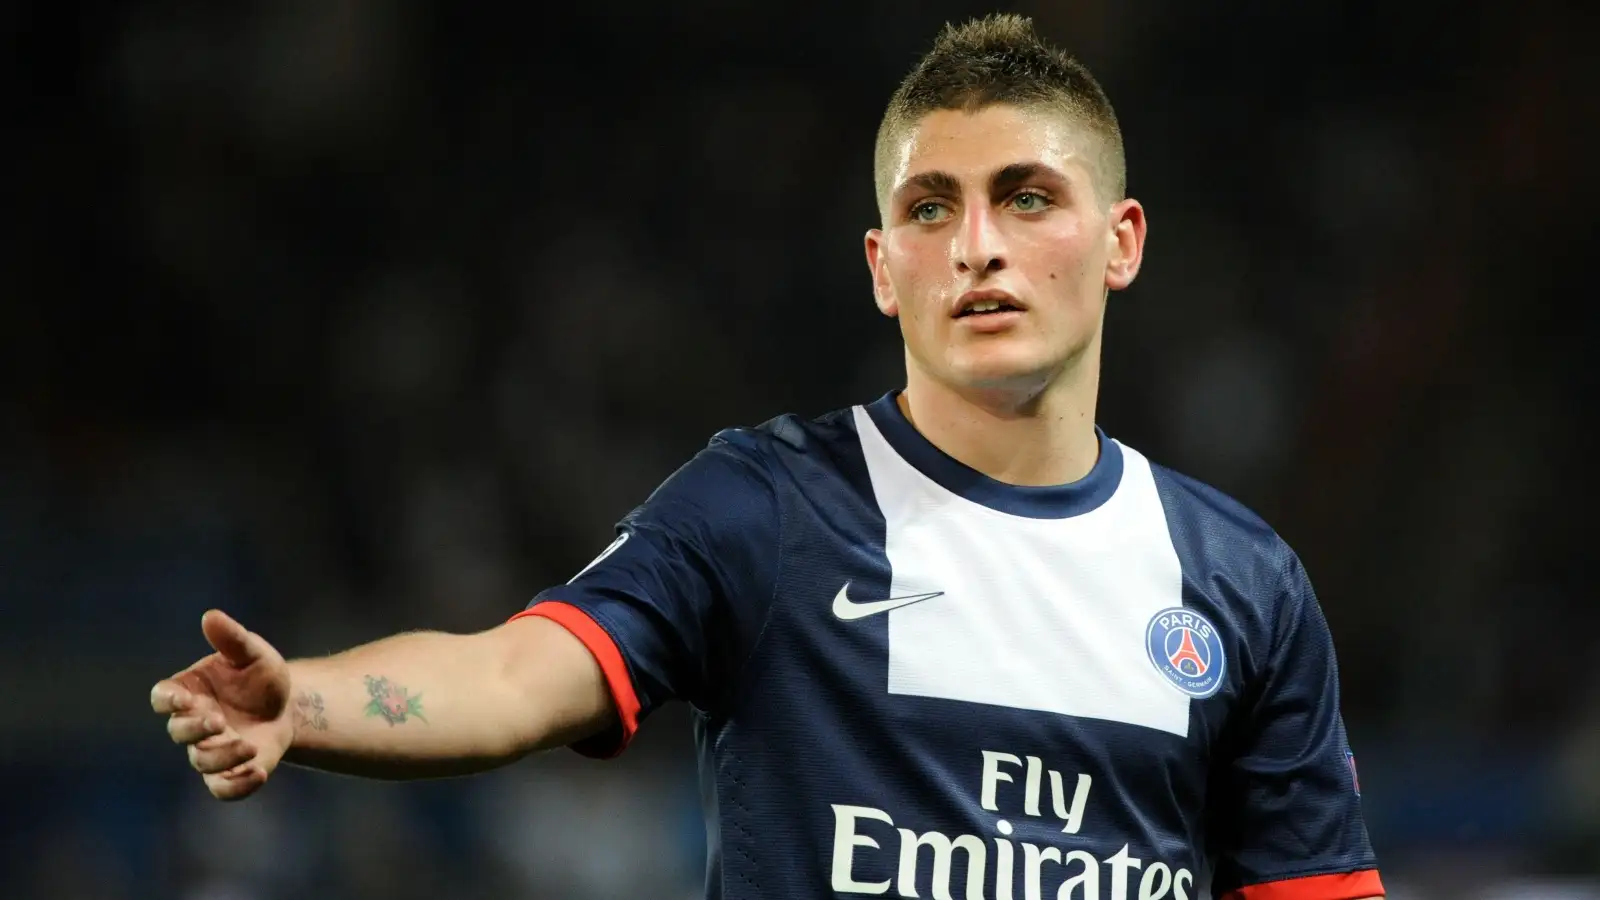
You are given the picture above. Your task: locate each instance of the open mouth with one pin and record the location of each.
(987, 308)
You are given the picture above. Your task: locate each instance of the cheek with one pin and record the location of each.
(913, 271)
(1067, 262)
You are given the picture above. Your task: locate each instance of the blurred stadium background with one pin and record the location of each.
(354, 317)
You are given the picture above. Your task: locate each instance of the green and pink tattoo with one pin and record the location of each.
(389, 701)
(392, 702)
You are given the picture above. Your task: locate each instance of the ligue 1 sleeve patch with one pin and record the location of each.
(1184, 646)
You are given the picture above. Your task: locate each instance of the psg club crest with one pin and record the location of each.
(1185, 648)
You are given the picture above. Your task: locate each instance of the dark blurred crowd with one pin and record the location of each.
(352, 317)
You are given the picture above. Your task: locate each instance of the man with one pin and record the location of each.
(954, 642)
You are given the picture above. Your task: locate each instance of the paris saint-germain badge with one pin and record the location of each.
(1184, 646)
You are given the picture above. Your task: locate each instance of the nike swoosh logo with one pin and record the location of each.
(849, 611)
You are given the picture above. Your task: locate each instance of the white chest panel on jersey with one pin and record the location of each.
(1038, 614)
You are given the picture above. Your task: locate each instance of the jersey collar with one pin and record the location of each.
(1049, 502)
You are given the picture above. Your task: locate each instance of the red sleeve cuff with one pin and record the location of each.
(611, 663)
(1342, 886)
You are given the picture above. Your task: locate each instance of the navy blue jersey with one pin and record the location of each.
(912, 680)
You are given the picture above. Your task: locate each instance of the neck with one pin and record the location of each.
(1025, 436)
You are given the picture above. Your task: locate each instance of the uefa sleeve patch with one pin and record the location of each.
(1185, 648)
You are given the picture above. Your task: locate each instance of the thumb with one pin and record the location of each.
(236, 644)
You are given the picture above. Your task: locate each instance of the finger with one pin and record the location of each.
(219, 740)
(169, 697)
(184, 694)
(194, 729)
(236, 644)
(213, 757)
(237, 783)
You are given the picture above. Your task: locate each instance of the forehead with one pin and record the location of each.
(975, 144)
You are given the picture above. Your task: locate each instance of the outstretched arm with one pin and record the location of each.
(428, 704)
(415, 705)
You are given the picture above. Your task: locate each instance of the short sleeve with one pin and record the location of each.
(667, 607)
(1286, 820)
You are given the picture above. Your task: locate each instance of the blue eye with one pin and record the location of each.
(927, 212)
(1029, 201)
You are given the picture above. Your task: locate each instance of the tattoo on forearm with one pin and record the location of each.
(392, 702)
(309, 711)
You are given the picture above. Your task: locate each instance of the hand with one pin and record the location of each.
(230, 709)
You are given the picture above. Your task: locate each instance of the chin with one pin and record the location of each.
(996, 369)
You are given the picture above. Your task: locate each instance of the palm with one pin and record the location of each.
(230, 709)
(253, 698)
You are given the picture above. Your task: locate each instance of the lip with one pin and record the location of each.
(991, 323)
(984, 296)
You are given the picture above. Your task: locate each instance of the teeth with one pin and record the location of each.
(985, 306)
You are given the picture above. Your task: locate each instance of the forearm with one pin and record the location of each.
(417, 705)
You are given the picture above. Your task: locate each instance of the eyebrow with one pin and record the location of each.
(1008, 178)
(1018, 174)
(935, 182)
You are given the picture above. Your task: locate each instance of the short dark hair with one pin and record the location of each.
(1000, 59)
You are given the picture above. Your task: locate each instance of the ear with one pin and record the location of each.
(1125, 240)
(882, 289)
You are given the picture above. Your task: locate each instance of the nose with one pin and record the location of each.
(978, 245)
